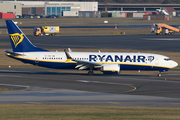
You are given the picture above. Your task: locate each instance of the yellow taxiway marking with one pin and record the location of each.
(111, 83)
(130, 90)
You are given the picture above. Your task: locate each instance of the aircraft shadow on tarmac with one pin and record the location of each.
(69, 73)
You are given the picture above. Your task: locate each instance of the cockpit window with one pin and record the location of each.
(167, 59)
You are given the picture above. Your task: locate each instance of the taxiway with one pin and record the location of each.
(47, 86)
(137, 42)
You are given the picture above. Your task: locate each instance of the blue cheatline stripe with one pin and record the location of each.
(71, 65)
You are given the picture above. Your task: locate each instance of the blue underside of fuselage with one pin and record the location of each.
(59, 65)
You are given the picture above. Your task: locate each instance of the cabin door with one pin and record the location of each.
(157, 61)
(36, 59)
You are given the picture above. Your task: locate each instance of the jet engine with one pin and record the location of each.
(111, 69)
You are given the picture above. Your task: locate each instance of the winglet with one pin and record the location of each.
(68, 56)
(69, 49)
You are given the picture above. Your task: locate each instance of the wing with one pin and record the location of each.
(86, 64)
(82, 64)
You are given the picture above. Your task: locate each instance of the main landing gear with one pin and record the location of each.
(90, 72)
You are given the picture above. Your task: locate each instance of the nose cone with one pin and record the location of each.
(174, 64)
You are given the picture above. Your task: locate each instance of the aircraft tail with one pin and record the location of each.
(19, 41)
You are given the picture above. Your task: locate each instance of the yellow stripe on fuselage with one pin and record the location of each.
(109, 70)
(68, 60)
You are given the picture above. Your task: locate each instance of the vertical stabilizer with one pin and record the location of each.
(19, 42)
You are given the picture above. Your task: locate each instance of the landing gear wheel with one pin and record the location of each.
(90, 72)
(159, 75)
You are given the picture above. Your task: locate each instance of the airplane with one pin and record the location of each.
(107, 62)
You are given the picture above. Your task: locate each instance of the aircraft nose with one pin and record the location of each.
(174, 64)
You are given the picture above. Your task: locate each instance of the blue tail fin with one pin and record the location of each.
(19, 42)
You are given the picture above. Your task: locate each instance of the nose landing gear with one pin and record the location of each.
(159, 74)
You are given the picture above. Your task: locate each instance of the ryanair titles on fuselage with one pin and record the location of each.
(120, 58)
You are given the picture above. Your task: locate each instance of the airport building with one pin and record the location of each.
(48, 8)
(15, 8)
(80, 9)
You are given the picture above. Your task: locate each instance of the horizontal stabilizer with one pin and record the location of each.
(13, 53)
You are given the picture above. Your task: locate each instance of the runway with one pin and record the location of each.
(47, 86)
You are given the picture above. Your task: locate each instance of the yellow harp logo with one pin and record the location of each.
(16, 38)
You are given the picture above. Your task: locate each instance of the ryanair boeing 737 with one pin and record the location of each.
(108, 63)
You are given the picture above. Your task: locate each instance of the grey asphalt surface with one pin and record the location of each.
(93, 26)
(136, 42)
(47, 86)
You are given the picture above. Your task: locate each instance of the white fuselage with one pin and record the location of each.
(139, 60)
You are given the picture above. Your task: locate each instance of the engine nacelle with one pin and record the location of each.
(111, 69)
